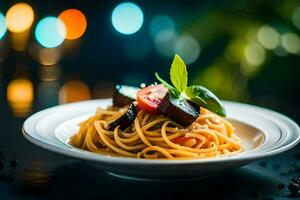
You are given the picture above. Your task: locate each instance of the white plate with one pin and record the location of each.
(263, 132)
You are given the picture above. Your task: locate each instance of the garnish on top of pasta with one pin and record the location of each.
(161, 121)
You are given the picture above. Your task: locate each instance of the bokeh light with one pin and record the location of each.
(48, 56)
(221, 80)
(296, 17)
(254, 54)
(188, 48)
(19, 17)
(280, 51)
(3, 28)
(166, 47)
(162, 28)
(20, 96)
(50, 32)
(127, 18)
(235, 50)
(75, 23)
(49, 73)
(290, 42)
(74, 90)
(268, 37)
(45, 56)
(19, 41)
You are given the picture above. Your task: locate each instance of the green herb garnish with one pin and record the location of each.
(178, 74)
(195, 93)
(205, 98)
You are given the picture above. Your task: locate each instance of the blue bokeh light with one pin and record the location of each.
(50, 32)
(162, 28)
(3, 28)
(127, 18)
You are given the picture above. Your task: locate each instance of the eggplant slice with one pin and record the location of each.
(181, 111)
(124, 95)
(125, 120)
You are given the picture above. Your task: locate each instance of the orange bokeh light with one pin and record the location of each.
(20, 96)
(19, 17)
(74, 90)
(75, 23)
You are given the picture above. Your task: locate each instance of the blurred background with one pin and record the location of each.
(55, 52)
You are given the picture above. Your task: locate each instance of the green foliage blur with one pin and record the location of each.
(250, 52)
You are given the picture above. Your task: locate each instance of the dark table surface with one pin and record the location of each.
(30, 172)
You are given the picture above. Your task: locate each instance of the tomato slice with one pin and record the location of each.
(185, 141)
(181, 140)
(150, 97)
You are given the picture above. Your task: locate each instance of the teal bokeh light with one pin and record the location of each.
(3, 28)
(162, 25)
(50, 32)
(127, 18)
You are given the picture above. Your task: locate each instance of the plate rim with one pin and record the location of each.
(90, 156)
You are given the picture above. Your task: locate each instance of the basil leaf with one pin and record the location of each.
(178, 74)
(205, 98)
(173, 90)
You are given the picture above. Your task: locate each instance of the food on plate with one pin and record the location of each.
(161, 121)
(181, 111)
(125, 120)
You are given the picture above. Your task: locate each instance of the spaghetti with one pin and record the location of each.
(158, 137)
